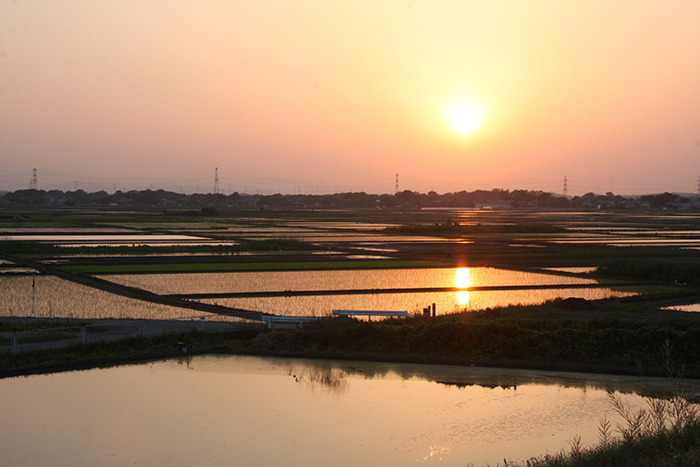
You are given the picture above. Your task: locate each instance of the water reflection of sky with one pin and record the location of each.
(690, 308)
(55, 297)
(321, 305)
(230, 410)
(445, 302)
(334, 280)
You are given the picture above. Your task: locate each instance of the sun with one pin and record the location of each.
(464, 117)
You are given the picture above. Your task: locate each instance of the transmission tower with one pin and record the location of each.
(698, 186)
(35, 184)
(396, 187)
(566, 188)
(216, 180)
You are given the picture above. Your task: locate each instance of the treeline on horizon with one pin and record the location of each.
(496, 198)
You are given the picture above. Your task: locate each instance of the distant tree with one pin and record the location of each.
(209, 211)
(660, 200)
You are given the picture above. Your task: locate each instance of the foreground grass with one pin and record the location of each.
(663, 447)
(665, 432)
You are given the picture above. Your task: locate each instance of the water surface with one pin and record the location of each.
(53, 297)
(446, 302)
(230, 410)
(338, 280)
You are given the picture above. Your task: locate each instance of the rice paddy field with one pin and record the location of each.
(59, 298)
(378, 259)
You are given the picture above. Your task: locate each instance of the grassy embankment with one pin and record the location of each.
(619, 335)
(32, 248)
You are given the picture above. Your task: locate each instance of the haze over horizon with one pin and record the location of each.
(323, 97)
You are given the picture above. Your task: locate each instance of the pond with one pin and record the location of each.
(233, 410)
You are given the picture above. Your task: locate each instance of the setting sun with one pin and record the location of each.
(464, 117)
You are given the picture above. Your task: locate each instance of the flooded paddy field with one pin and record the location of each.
(353, 251)
(51, 297)
(373, 289)
(413, 303)
(340, 280)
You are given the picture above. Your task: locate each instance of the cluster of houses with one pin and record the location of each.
(479, 199)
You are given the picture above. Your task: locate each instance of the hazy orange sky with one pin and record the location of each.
(324, 96)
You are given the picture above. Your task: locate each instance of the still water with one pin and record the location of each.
(319, 305)
(52, 297)
(335, 280)
(232, 410)
(445, 302)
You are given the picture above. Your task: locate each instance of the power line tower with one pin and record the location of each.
(566, 188)
(699, 187)
(396, 187)
(216, 180)
(35, 184)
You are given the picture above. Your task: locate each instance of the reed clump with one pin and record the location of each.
(664, 432)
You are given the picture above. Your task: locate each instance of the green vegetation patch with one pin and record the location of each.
(684, 271)
(32, 248)
(42, 248)
(11, 325)
(545, 337)
(451, 228)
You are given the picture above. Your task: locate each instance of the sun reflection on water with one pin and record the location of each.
(462, 281)
(437, 452)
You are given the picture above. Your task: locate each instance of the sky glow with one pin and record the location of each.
(320, 97)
